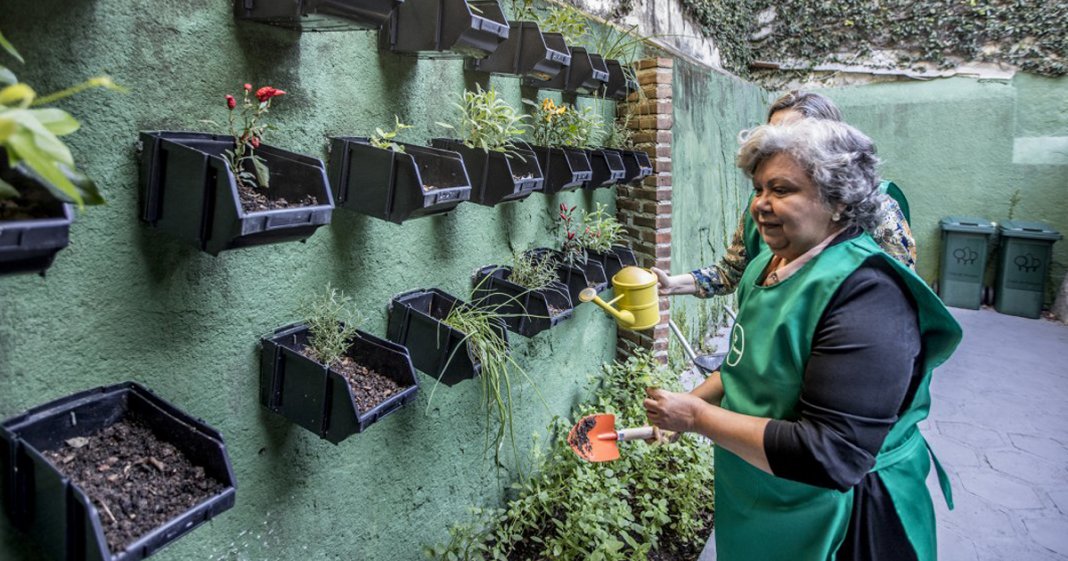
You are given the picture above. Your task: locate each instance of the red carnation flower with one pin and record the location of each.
(248, 87)
(254, 141)
(267, 92)
(230, 102)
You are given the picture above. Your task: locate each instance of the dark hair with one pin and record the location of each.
(809, 104)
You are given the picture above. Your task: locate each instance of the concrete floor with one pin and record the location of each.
(999, 424)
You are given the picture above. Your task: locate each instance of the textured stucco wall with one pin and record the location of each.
(124, 302)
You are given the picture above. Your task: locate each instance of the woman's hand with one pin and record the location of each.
(673, 411)
(675, 284)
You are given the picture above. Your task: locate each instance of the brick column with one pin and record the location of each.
(645, 209)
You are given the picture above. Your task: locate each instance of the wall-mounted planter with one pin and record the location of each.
(527, 52)
(620, 82)
(606, 167)
(613, 261)
(444, 29)
(637, 165)
(30, 240)
(415, 321)
(565, 169)
(188, 191)
(576, 277)
(58, 513)
(586, 75)
(495, 176)
(526, 312)
(396, 186)
(317, 15)
(321, 399)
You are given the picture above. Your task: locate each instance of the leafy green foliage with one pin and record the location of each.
(384, 140)
(602, 230)
(332, 320)
(563, 19)
(532, 272)
(563, 125)
(572, 510)
(249, 135)
(486, 121)
(618, 134)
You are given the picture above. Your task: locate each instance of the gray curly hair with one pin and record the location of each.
(809, 104)
(839, 159)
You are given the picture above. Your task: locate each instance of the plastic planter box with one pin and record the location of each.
(320, 399)
(620, 81)
(415, 321)
(390, 185)
(56, 513)
(317, 15)
(606, 168)
(637, 166)
(30, 245)
(527, 52)
(444, 29)
(526, 311)
(565, 169)
(495, 176)
(188, 191)
(578, 276)
(613, 261)
(586, 75)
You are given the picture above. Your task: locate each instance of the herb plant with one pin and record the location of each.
(531, 271)
(332, 321)
(618, 135)
(486, 121)
(384, 140)
(563, 19)
(559, 126)
(571, 248)
(602, 230)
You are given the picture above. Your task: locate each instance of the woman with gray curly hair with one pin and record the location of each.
(815, 410)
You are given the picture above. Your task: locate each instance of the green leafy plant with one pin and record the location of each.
(602, 230)
(571, 247)
(565, 20)
(249, 135)
(486, 121)
(531, 271)
(655, 498)
(332, 320)
(619, 135)
(30, 136)
(384, 140)
(559, 126)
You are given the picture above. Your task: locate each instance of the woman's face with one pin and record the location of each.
(787, 207)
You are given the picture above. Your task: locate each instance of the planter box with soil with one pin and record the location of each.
(607, 168)
(527, 52)
(111, 474)
(444, 29)
(34, 227)
(317, 15)
(621, 81)
(637, 165)
(565, 169)
(586, 75)
(396, 186)
(188, 191)
(416, 322)
(613, 261)
(577, 276)
(373, 380)
(496, 177)
(526, 312)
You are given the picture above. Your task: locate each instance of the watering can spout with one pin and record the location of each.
(624, 317)
(636, 295)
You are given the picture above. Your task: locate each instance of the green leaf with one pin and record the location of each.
(42, 137)
(7, 76)
(10, 48)
(57, 121)
(263, 175)
(7, 190)
(26, 150)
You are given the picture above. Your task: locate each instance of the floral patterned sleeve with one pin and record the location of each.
(894, 235)
(723, 278)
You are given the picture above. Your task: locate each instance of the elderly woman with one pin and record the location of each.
(814, 412)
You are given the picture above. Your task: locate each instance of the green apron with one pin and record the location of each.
(767, 518)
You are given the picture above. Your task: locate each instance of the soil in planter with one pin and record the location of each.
(254, 199)
(671, 549)
(369, 388)
(136, 481)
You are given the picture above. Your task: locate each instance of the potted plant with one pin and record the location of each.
(395, 181)
(444, 28)
(527, 294)
(557, 135)
(619, 49)
(636, 163)
(575, 275)
(586, 73)
(330, 377)
(527, 52)
(317, 15)
(39, 182)
(606, 165)
(73, 472)
(599, 239)
(621, 81)
(220, 192)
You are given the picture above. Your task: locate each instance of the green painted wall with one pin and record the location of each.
(124, 302)
(965, 146)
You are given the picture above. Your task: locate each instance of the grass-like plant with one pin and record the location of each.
(384, 139)
(486, 121)
(531, 271)
(332, 320)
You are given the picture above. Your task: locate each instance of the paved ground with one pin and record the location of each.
(999, 424)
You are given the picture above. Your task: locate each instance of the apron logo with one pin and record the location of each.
(737, 345)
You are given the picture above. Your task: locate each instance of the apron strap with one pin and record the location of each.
(943, 479)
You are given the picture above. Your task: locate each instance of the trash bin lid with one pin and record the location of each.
(1032, 230)
(970, 224)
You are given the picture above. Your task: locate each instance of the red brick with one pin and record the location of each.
(654, 62)
(654, 76)
(651, 91)
(648, 107)
(663, 250)
(663, 237)
(663, 263)
(627, 204)
(662, 165)
(646, 221)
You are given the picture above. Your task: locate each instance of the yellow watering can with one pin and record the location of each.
(636, 294)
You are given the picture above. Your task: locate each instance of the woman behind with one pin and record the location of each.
(814, 412)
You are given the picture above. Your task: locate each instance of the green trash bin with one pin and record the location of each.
(965, 240)
(1026, 250)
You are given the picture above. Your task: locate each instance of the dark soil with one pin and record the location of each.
(13, 209)
(369, 388)
(254, 199)
(136, 481)
(671, 549)
(579, 438)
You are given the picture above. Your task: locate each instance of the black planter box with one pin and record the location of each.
(607, 168)
(613, 261)
(637, 166)
(578, 276)
(317, 15)
(586, 75)
(526, 311)
(385, 184)
(188, 191)
(444, 29)
(320, 399)
(56, 513)
(620, 81)
(415, 321)
(565, 169)
(495, 176)
(527, 52)
(30, 245)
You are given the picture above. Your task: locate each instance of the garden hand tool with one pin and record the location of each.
(594, 438)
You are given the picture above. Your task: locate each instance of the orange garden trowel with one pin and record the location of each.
(594, 437)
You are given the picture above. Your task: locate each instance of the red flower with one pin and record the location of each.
(570, 235)
(267, 92)
(248, 87)
(563, 216)
(563, 207)
(254, 141)
(230, 102)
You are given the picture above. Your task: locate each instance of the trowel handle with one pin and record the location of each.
(640, 433)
